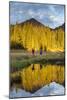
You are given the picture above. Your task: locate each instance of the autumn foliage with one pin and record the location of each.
(31, 34)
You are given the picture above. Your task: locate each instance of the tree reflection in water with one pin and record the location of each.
(36, 76)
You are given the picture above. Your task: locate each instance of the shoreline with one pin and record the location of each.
(21, 61)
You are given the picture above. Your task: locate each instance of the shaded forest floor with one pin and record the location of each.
(20, 59)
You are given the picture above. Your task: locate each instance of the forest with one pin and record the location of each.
(32, 34)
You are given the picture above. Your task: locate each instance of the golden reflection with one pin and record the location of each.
(35, 76)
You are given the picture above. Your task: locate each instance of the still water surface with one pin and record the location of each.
(35, 76)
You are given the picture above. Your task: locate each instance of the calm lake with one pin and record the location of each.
(37, 80)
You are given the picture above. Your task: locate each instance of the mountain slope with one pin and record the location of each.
(31, 34)
(61, 27)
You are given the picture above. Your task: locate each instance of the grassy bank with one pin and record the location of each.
(21, 59)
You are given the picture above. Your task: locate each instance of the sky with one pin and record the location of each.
(48, 14)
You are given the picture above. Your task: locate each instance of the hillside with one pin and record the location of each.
(31, 34)
(61, 27)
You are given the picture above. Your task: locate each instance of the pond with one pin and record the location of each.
(37, 80)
